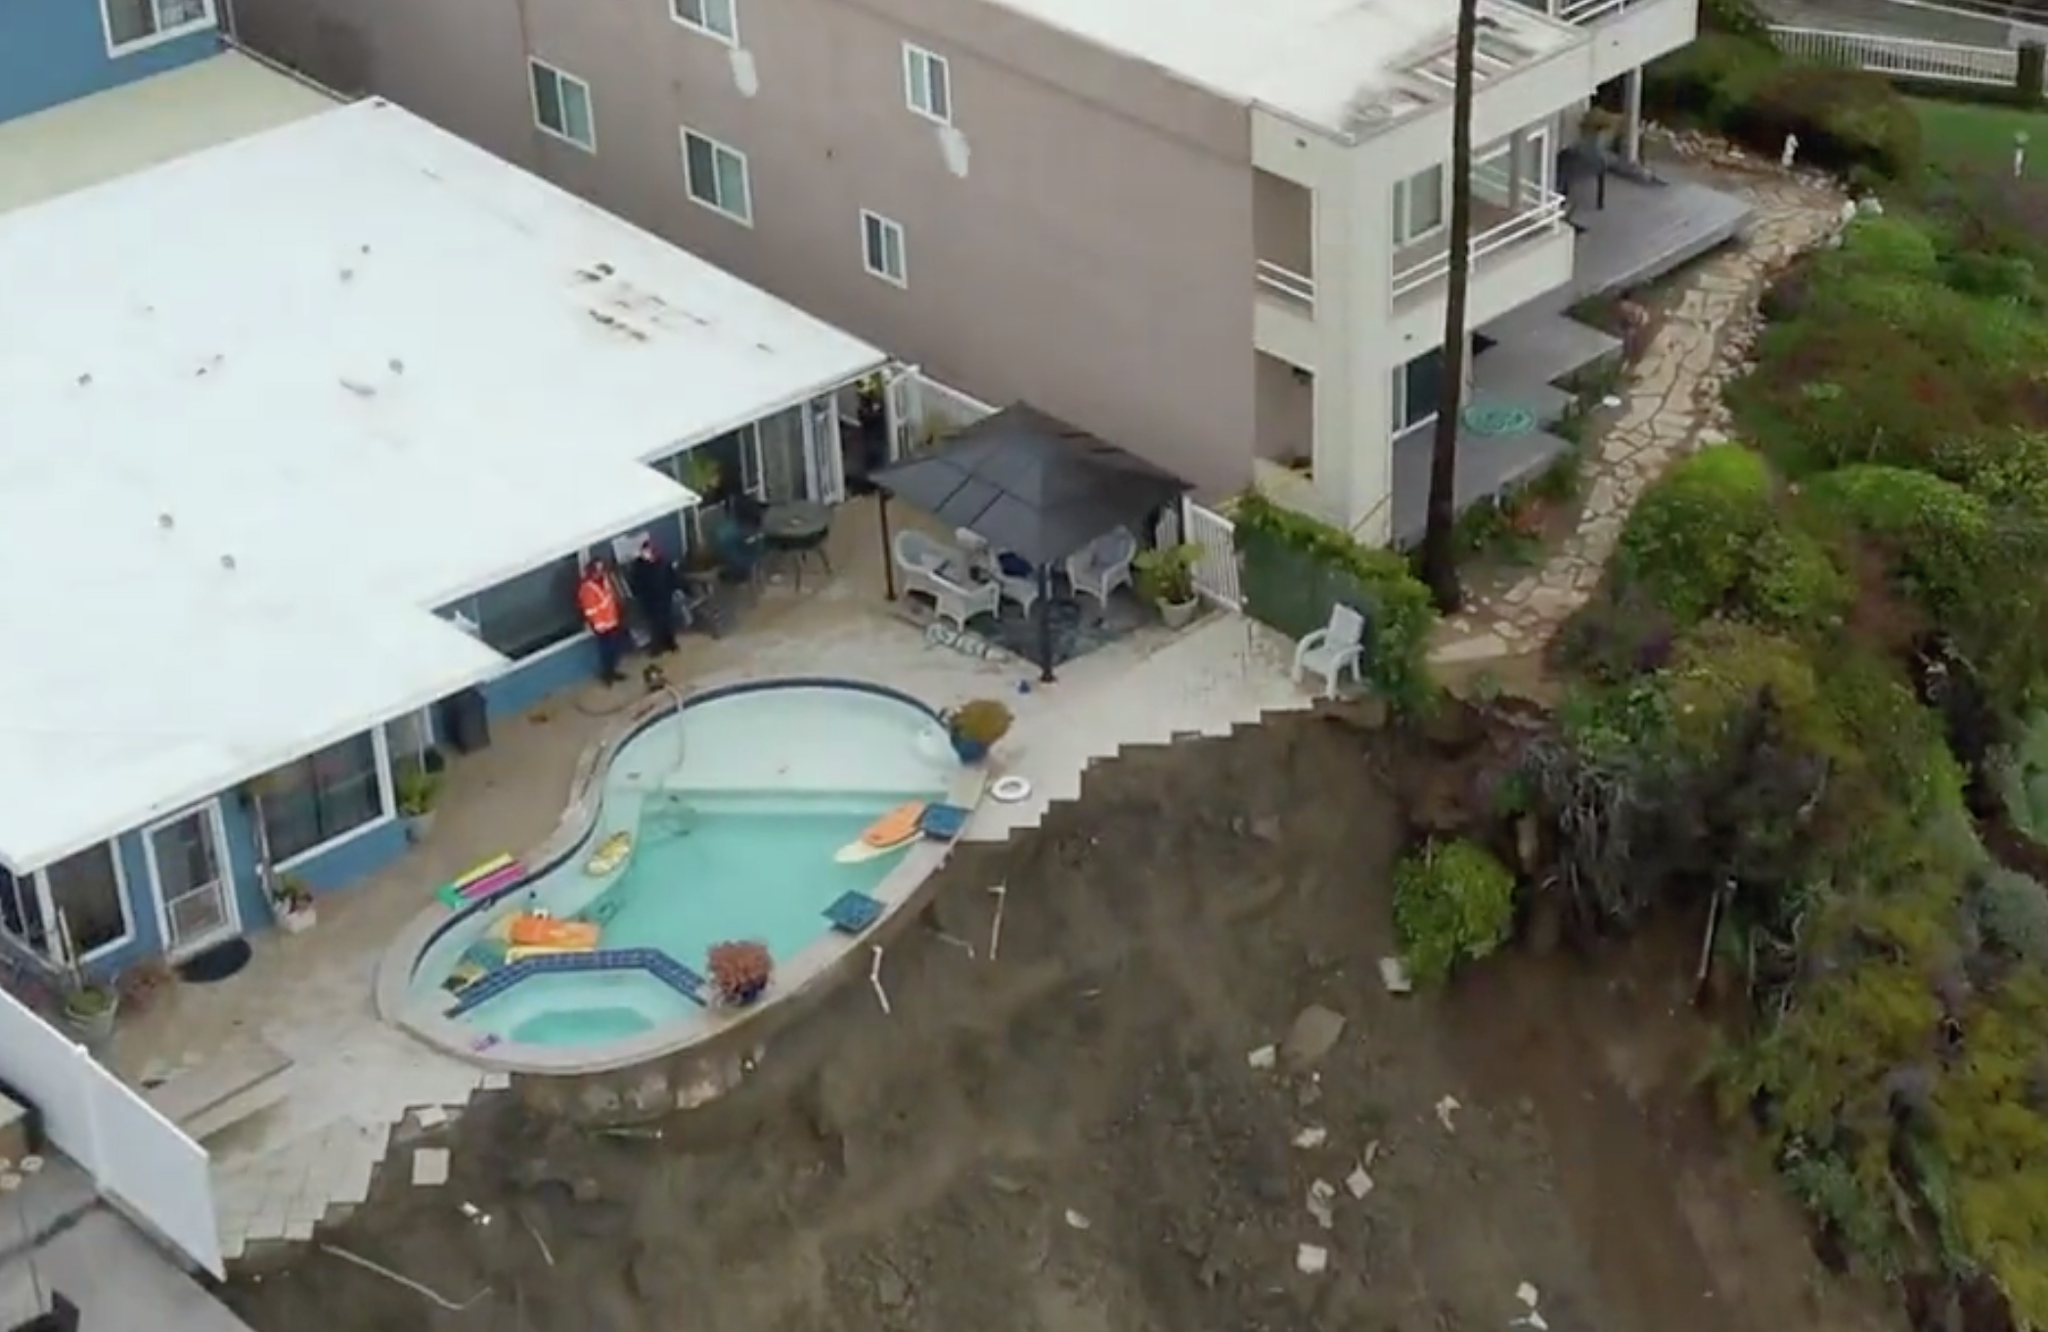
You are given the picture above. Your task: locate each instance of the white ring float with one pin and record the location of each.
(1009, 790)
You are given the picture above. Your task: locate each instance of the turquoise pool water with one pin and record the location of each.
(750, 868)
(737, 807)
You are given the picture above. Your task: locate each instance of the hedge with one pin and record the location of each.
(1296, 569)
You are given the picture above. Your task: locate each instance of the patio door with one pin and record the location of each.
(905, 410)
(194, 882)
(824, 454)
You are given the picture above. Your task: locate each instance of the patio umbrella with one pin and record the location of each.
(1033, 485)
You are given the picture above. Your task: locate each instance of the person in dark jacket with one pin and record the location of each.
(653, 581)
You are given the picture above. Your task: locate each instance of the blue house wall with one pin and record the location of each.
(55, 51)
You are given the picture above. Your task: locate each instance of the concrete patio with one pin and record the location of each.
(356, 1085)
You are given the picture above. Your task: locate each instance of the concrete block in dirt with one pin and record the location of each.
(1314, 1033)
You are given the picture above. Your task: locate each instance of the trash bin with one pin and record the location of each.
(464, 721)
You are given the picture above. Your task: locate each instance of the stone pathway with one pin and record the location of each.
(1671, 407)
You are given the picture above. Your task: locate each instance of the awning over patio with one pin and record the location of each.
(1030, 484)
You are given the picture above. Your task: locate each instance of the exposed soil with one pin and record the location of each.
(1072, 1138)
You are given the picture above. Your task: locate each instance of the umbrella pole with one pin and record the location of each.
(888, 555)
(1044, 609)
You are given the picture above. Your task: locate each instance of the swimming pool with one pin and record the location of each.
(737, 805)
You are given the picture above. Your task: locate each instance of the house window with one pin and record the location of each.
(927, 84)
(532, 612)
(1418, 386)
(882, 248)
(135, 23)
(321, 797)
(83, 895)
(716, 177)
(561, 106)
(713, 18)
(1419, 205)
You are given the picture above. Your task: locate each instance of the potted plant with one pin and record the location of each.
(291, 900)
(1166, 574)
(873, 408)
(417, 791)
(739, 972)
(89, 1008)
(976, 727)
(702, 474)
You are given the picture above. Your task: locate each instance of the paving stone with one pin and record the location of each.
(430, 1167)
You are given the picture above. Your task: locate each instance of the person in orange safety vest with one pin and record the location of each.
(599, 602)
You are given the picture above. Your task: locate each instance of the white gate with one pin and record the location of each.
(139, 1160)
(1216, 567)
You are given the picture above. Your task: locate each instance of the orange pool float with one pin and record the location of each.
(535, 931)
(896, 827)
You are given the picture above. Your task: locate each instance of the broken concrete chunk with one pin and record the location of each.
(1263, 1057)
(1320, 1196)
(430, 1167)
(1311, 1259)
(1312, 1137)
(1314, 1032)
(1394, 976)
(1078, 1221)
(1445, 1109)
(1358, 1182)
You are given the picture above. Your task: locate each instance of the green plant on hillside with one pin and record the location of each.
(2012, 910)
(1453, 903)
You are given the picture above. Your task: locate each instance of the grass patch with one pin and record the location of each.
(1966, 134)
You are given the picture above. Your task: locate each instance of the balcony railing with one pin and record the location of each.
(1288, 284)
(1542, 212)
(1578, 11)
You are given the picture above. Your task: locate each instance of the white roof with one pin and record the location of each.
(266, 407)
(1316, 61)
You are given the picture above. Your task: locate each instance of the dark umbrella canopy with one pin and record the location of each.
(1031, 484)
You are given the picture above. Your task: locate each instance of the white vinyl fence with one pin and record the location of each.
(1216, 568)
(1909, 57)
(139, 1160)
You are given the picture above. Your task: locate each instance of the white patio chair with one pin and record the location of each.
(944, 574)
(1103, 565)
(1334, 649)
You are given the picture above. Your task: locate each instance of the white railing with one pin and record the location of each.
(1216, 568)
(1577, 11)
(135, 1156)
(1944, 62)
(1545, 215)
(1288, 283)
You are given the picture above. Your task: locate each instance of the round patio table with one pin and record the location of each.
(796, 530)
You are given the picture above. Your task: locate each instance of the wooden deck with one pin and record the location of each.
(1487, 465)
(1645, 231)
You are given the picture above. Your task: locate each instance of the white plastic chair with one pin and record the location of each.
(1103, 565)
(1334, 649)
(943, 573)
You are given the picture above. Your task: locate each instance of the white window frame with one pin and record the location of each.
(745, 217)
(872, 226)
(703, 22)
(56, 932)
(534, 64)
(387, 796)
(1404, 207)
(210, 20)
(919, 68)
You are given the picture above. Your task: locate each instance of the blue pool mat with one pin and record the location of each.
(943, 822)
(851, 913)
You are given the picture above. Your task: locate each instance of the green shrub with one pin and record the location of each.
(1934, 533)
(1891, 245)
(1708, 82)
(1736, 18)
(1710, 538)
(1453, 903)
(2000, 277)
(1688, 540)
(1845, 119)
(2012, 910)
